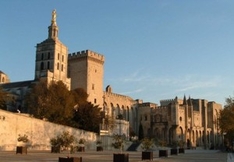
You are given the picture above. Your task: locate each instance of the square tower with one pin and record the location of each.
(85, 68)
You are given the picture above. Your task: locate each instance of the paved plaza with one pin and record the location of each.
(107, 156)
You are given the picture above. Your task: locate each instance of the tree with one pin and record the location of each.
(118, 142)
(4, 98)
(64, 140)
(87, 117)
(146, 143)
(226, 120)
(53, 102)
(109, 121)
(57, 104)
(36, 100)
(80, 95)
(226, 116)
(60, 102)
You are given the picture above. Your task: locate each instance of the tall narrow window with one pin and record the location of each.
(95, 100)
(48, 65)
(42, 56)
(57, 66)
(48, 55)
(62, 58)
(92, 86)
(58, 56)
(42, 66)
(62, 67)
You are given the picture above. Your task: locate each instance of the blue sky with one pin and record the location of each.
(154, 50)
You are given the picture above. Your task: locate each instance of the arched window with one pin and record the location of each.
(42, 66)
(180, 118)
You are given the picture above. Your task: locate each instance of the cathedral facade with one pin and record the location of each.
(193, 120)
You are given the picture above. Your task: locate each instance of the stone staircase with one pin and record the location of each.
(133, 146)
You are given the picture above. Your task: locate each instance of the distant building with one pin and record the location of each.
(188, 120)
(194, 121)
(17, 91)
(4, 78)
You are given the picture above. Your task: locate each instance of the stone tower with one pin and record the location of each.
(3, 78)
(86, 71)
(51, 57)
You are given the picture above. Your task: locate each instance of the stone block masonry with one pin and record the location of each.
(39, 132)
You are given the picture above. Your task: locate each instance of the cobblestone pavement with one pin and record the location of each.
(107, 156)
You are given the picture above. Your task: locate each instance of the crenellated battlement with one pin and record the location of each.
(159, 109)
(148, 104)
(111, 94)
(166, 102)
(86, 53)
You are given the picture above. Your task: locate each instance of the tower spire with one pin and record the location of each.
(53, 20)
(185, 100)
(53, 28)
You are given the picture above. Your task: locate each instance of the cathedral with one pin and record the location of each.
(189, 120)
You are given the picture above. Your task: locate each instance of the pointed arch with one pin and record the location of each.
(180, 133)
(128, 116)
(197, 139)
(113, 111)
(118, 109)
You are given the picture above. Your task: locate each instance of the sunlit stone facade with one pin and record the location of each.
(193, 120)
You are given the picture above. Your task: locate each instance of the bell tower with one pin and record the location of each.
(51, 56)
(53, 28)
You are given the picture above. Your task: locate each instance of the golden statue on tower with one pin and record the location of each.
(53, 21)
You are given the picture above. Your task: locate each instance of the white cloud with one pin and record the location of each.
(186, 81)
(146, 86)
(197, 84)
(134, 91)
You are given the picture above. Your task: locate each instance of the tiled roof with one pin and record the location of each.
(17, 84)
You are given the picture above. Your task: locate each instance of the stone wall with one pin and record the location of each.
(38, 131)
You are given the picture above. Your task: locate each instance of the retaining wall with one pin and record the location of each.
(38, 131)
